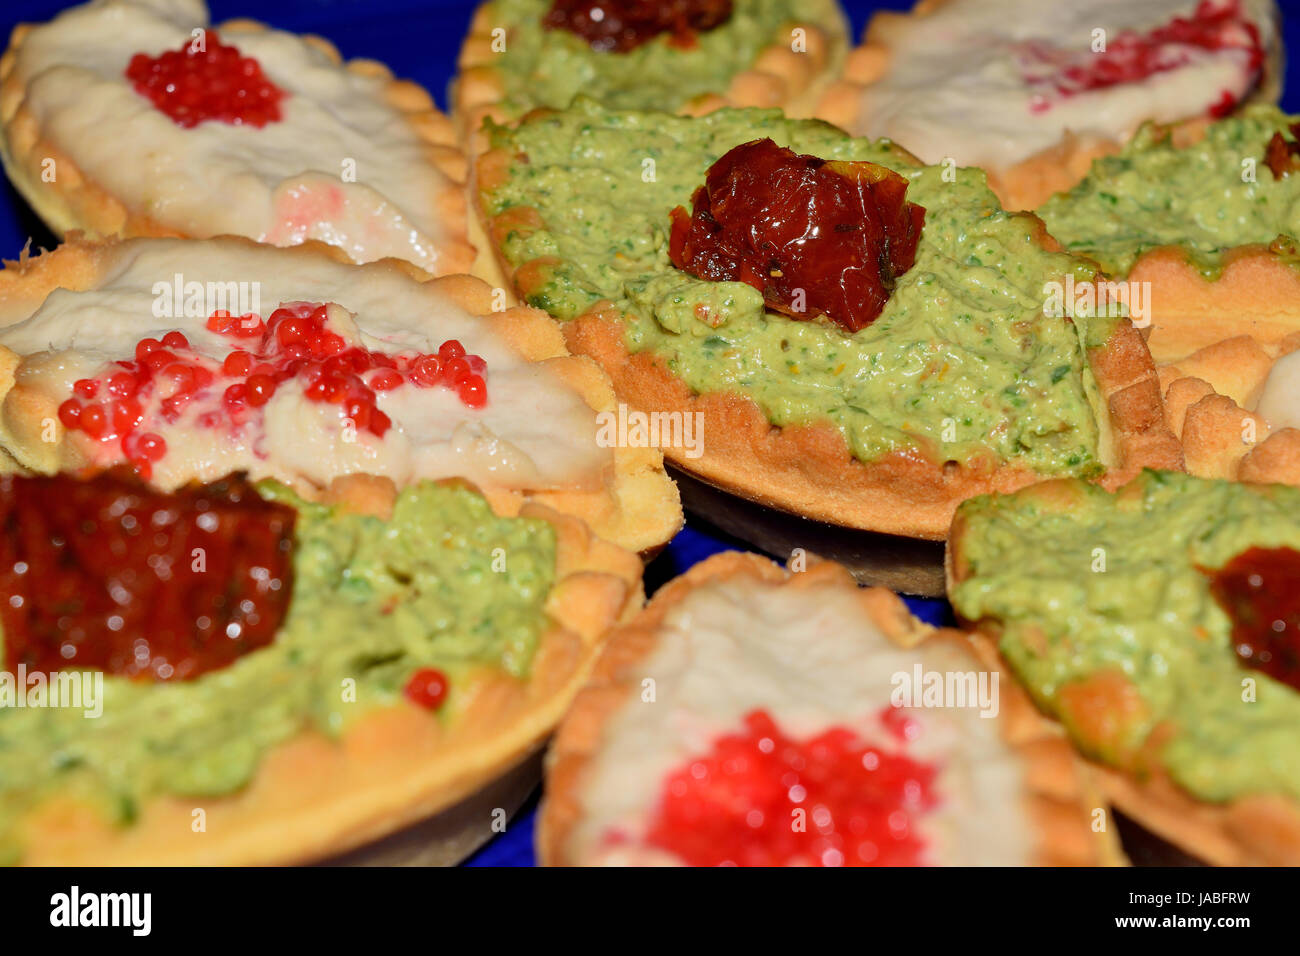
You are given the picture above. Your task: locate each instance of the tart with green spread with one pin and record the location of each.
(1206, 224)
(266, 680)
(885, 348)
(751, 716)
(1160, 625)
(688, 55)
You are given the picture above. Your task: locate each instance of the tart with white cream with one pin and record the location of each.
(751, 716)
(188, 359)
(1034, 91)
(125, 117)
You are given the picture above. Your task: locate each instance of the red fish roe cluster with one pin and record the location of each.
(111, 408)
(736, 806)
(1216, 25)
(1259, 590)
(295, 342)
(621, 25)
(816, 237)
(111, 574)
(215, 83)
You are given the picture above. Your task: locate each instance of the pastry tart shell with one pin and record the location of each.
(312, 796)
(636, 505)
(1059, 796)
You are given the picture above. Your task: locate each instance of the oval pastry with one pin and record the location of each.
(400, 672)
(189, 358)
(108, 128)
(1033, 92)
(1159, 625)
(965, 378)
(754, 717)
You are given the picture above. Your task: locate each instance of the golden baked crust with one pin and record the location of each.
(635, 506)
(1059, 798)
(75, 202)
(1224, 439)
(1252, 830)
(779, 77)
(809, 470)
(312, 796)
(1028, 183)
(1215, 341)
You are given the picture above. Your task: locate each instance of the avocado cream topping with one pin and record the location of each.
(548, 67)
(961, 364)
(1207, 197)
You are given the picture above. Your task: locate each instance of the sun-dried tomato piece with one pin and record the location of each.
(621, 25)
(108, 573)
(816, 237)
(1283, 155)
(1259, 590)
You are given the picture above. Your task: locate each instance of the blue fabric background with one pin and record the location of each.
(420, 40)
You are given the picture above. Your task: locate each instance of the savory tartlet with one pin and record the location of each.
(689, 55)
(1205, 227)
(320, 675)
(1159, 624)
(751, 716)
(1033, 91)
(125, 117)
(190, 358)
(920, 383)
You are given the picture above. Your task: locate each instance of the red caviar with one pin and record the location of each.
(737, 804)
(295, 342)
(111, 574)
(1215, 25)
(621, 25)
(1259, 590)
(426, 688)
(193, 85)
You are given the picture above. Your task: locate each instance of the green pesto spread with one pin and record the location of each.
(373, 601)
(1208, 197)
(1149, 613)
(549, 67)
(962, 361)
